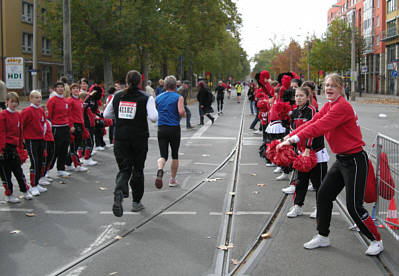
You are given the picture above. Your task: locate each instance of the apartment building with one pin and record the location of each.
(16, 35)
(370, 20)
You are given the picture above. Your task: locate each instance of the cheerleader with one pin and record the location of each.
(339, 123)
(303, 113)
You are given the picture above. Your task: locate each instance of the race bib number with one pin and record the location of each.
(127, 110)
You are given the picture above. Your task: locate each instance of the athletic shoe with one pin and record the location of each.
(109, 146)
(137, 206)
(49, 179)
(283, 176)
(68, 168)
(27, 195)
(117, 208)
(158, 180)
(278, 170)
(213, 120)
(41, 189)
(289, 190)
(310, 187)
(63, 174)
(173, 182)
(80, 169)
(100, 148)
(270, 165)
(12, 199)
(313, 215)
(34, 191)
(257, 131)
(317, 241)
(93, 152)
(44, 181)
(89, 162)
(375, 248)
(295, 211)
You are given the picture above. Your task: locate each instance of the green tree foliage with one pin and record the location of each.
(151, 35)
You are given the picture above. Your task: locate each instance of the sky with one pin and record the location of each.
(280, 20)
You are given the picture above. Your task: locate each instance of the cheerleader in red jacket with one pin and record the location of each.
(339, 123)
(11, 138)
(33, 120)
(302, 114)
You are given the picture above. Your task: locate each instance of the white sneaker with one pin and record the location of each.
(278, 170)
(270, 165)
(48, 178)
(295, 211)
(257, 131)
(317, 241)
(80, 169)
(28, 195)
(44, 181)
(375, 248)
(68, 168)
(313, 215)
(289, 190)
(89, 162)
(34, 191)
(12, 199)
(109, 146)
(283, 176)
(100, 148)
(93, 152)
(41, 189)
(63, 174)
(173, 183)
(310, 187)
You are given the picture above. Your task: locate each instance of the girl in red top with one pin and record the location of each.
(33, 120)
(11, 139)
(339, 123)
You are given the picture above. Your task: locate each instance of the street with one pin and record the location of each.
(204, 226)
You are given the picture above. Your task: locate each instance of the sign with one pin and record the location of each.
(394, 74)
(14, 72)
(208, 75)
(364, 69)
(390, 66)
(354, 76)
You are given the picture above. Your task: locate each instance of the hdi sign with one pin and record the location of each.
(14, 72)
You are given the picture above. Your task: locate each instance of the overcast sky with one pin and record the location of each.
(285, 19)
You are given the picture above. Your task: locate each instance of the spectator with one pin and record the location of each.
(149, 89)
(183, 91)
(160, 88)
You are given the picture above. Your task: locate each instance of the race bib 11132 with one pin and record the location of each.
(127, 110)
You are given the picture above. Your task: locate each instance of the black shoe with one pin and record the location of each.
(117, 208)
(213, 120)
(189, 127)
(136, 207)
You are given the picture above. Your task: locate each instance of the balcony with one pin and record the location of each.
(389, 35)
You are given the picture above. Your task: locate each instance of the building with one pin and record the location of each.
(370, 20)
(16, 35)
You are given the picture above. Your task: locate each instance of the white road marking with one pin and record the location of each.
(125, 213)
(240, 213)
(204, 128)
(109, 232)
(178, 213)
(249, 164)
(15, 210)
(208, 164)
(58, 212)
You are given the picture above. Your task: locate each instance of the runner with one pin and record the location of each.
(130, 109)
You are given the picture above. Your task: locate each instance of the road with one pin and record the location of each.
(226, 198)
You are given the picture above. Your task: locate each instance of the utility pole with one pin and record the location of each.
(291, 60)
(34, 48)
(308, 60)
(353, 51)
(67, 39)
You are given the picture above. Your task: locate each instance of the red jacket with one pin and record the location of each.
(33, 119)
(58, 111)
(10, 129)
(48, 135)
(339, 123)
(75, 110)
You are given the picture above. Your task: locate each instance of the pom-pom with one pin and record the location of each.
(285, 156)
(108, 122)
(271, 150)
(282, 109)
(23, 155)
(286, 81)
(295, 76)
(264, 75)
(263, 105)
(305, 163)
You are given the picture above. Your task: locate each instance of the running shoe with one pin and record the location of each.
(12, 199)
(158, 180)
(317, 241)
(375, 248)
(136, 207)
(117, 208)
(295, 211)
(173, 182)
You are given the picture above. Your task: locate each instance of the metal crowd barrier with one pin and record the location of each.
(385, 156)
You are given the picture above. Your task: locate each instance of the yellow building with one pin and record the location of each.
(391, 40)
(16, 40)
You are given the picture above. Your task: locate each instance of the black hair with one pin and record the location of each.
(111, 90)
(133, 79)
(59, 83)
(299, 82)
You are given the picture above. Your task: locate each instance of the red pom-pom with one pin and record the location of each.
(264, 75)
(23, 155)
(286, 81)
(305, 163)
(263, 105)
(285, 156)
(108, 122)
(271, 150)
(295, 76)
(282, 109)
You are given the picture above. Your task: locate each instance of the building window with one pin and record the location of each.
(378, 21)
(44, 16)
(377, 40)
(27, 42)
(27, 12)
(391, 28)
(391, 5)
(378, 4)
(46, 47)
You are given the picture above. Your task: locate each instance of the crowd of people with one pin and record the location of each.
(291, 122)
(68, 130)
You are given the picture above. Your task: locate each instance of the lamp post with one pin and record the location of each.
(34, 48)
